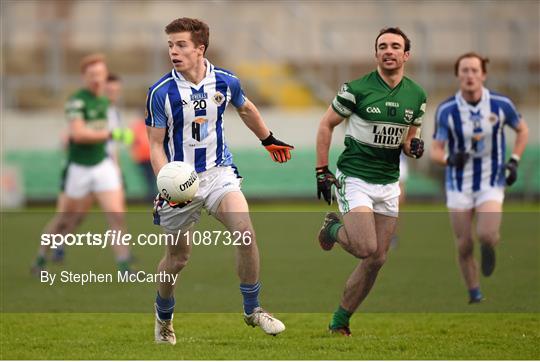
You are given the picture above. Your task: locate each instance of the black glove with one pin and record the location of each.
(458, 159)
(417, 147)
(511, 171)
(325, 180)
(279, 151)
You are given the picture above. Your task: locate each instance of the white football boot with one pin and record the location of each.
(164, 331)
(263, 319)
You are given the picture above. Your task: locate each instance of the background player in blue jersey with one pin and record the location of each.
(185, 123)
(471, 125)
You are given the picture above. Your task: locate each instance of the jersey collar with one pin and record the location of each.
(209, 69)
(384, 84)
(463, 103)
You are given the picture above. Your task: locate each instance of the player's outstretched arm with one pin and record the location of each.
(253, 120)
(80, 133)
(279, 150)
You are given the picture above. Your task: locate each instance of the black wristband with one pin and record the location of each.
(322, 169)
(268, 140)
(514, 160)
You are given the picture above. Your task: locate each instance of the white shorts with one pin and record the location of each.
(82, 180)
(214, 184)
(403, 169)
(354, 192)
(470, 200)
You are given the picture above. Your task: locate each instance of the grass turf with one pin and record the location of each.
(417, 309)
(224, 336)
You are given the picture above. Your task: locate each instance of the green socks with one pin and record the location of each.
(123, 265)
(40, 261)
(333, 230)
(340, 318)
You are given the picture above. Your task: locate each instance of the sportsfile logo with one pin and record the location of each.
(385, 135)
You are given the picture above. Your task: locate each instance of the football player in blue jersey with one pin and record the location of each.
(184, 119)
(469, 140)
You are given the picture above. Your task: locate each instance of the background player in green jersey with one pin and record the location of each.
(57, 224)
(90, 172)
(384, 111)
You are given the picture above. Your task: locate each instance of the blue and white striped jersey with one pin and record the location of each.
(478, 130)
(193, 116)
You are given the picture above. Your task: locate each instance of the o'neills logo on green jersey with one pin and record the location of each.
(386, 135)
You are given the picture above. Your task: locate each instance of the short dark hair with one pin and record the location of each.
(200, 33)
(113, 78)
(483, 61)
(394, 30)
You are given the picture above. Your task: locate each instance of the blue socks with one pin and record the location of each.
(250, 292)
(475, 294)
(165, 307)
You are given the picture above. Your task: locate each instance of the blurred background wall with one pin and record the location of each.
(291, 56)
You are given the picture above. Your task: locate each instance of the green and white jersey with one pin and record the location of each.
(92, 110)
(378, 121)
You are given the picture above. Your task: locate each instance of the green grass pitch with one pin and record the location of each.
(224, 336)
(417, 310)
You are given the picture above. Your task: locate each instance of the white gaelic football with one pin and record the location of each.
(177, 182)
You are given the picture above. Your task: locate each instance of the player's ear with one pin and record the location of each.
(202, 49)
(406, 56)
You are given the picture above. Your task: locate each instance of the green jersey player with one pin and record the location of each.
(90, 171)
(92, 109)
(384, 111)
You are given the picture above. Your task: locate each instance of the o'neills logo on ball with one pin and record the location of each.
(189, 182)
(387, 135)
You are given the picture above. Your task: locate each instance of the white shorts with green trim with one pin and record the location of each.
(214, 184)
(354, 192)
(82, 180)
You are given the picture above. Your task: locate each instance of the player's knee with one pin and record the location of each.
(68, 222)
(244, 236)
(177, 262)
(465, 248)
(116, 220)
(376, 261)
(488, 237)
(363, 251)
(78, 219)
